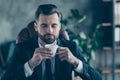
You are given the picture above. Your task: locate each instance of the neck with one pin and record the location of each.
(41, 42)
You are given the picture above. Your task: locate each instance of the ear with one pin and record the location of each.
(35, 26)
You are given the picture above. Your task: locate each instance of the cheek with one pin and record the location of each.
(40, 31)
(57, 32)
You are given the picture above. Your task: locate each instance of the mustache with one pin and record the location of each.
(48, 34)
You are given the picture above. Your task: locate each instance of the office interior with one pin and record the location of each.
(93, 24)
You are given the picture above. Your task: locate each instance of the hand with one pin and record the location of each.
(39, 55)
(65, 54)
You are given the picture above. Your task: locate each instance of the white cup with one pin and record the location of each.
(53, 47)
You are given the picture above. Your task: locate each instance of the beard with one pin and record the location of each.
(47, 38)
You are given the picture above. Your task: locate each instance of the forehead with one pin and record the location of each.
(49, 18)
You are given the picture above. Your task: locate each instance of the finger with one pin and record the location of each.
(39, 57)
(62, 55)
(42, 49)
(62, 48)
(46, 55)
(61, 52)
(62, 58)
(44, 52)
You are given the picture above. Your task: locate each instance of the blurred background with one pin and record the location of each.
(15, 15)
(93, 24)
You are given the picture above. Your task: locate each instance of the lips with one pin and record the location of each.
(49, 36)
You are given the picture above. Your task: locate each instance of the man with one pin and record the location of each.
(32, 60)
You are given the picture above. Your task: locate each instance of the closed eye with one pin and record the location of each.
(43, 25)
(54, 25)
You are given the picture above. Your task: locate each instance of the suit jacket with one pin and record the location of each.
(63, 70)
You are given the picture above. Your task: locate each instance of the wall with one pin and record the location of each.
(16, 14)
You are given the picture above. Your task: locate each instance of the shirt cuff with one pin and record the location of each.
(79, 67)
(27, 70)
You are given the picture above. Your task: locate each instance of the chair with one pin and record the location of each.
(29, 32)
(26, 33)
(6, 53)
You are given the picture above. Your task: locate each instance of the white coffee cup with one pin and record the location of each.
(53, 47)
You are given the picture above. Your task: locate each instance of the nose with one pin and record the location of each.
(49, 29)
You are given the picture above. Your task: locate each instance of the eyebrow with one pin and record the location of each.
(54, 24)
(43, 24)
(46, 24)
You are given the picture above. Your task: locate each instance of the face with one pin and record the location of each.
(48, 27)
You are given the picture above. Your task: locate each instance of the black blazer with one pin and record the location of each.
(63, 70)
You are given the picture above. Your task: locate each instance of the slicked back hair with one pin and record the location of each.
(47, 9)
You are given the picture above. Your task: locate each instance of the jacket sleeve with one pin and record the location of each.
(15, 70)
(88, 73)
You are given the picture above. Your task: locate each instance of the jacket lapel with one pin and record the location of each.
(63, 69)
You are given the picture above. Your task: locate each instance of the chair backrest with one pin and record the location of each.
(2, 61)
(29, 32)
(6, 52)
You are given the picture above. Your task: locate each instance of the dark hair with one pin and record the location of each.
(47, 9)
